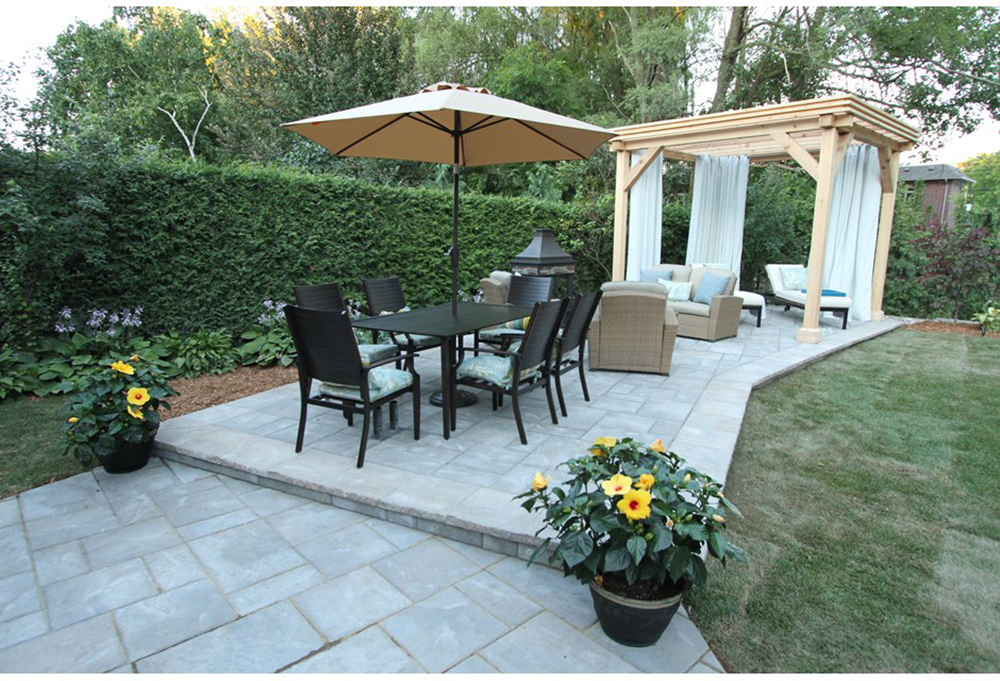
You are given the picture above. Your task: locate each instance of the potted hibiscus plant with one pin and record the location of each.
(114, 414)
(632, 523)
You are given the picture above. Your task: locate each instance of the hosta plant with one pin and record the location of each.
(269, 340)
(121, 401)
(634, 519)
(989, 318)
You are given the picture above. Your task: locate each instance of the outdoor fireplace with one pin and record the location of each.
(544, 257)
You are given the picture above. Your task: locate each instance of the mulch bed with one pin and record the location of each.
(971, 329)
(207, 391)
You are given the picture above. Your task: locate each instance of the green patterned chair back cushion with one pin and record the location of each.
(381, 382)
(494, 369)
(375, 353)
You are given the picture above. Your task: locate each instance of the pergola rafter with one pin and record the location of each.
(815, 133)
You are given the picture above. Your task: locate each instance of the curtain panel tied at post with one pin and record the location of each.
(718, 206)
(645, 220)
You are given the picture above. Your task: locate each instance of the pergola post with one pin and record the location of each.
(831, 152)
(889, 165)
(620, 239)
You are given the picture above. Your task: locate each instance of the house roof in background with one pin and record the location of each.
(932, 172)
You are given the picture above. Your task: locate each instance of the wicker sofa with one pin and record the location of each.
(712, 322)
(633, 329)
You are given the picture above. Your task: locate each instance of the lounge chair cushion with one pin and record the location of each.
(375, 353)
(839, 302)
(495, 369)
(381, 382)
(793, 277)
(690, 307)
(750, 299)
(709, 286)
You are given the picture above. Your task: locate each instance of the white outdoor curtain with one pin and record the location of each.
(850, 241)
(645, 219)
(718, 205)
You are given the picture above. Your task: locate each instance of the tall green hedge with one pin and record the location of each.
(200, 246)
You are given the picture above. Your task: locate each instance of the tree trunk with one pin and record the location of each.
(730, 51)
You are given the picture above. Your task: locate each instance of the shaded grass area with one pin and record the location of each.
(31, 444)
(870, 485)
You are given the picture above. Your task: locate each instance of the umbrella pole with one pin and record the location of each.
(456, 135)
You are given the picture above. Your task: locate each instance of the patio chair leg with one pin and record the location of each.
(559, 393)
(495, 401)
(416, 408)
(349, 415)
(393, 415)
(548, 397)
(475, 344)
(517, 416)
(583, 382)
(500, 399)
(364, 438)
(302, 428)
(760, 313)
(844, 327)
(377, 426)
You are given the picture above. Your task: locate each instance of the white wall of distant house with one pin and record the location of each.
(28, 27)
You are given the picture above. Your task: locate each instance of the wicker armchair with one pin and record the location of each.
(633, 329)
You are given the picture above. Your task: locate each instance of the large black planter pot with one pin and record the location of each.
(128, 456)
(632, 622)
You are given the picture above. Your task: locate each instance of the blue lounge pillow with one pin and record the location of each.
(650, 276)
(830, 292)
(711, 285)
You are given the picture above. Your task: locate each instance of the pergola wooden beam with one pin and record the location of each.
(815, 133)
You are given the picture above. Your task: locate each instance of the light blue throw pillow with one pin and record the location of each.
(793, 278)
(651, 276)
(711, 285)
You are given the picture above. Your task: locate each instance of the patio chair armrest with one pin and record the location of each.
(394, 358)
(723, 306)
(492, 351)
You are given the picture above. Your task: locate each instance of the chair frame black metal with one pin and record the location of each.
(574, 336)
(338, 361)
(386, 295)
(320, 297)
(523, 291)
(527, 353)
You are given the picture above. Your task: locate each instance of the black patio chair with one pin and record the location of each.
(574, 338)
(320, 297)
(526, 368)
(327, 351)
(385, 296)
(523, 292)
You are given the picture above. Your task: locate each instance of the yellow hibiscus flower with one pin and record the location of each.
(645, 481)
(657, 446)
(608, 442)
(718, 519)
(136, 413)
(123, 368)
(618, 484)
(687, 478)
(539, 482)
(635, 504)
(134, 358)
(138, 396)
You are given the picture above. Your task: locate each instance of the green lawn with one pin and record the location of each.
(870, 485)
(30, 439)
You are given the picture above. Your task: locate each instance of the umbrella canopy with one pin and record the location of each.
(422, 127)
(450, 123)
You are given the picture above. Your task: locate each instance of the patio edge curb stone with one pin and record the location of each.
(521, 542)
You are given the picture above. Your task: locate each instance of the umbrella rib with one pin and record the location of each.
(483, 124)
(373, 132)
(429, 122)
(554, 141)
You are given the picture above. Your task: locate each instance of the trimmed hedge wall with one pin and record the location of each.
(200, 246)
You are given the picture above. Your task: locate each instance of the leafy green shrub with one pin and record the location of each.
(989, 318)
(269, 340)
(202, 352)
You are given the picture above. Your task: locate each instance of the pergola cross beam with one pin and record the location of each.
(815, 133)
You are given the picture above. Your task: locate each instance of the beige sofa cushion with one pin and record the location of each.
(699, 272)
(688, 307)
(636, 286)
(502, 277)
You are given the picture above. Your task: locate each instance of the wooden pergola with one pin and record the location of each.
(816, 133)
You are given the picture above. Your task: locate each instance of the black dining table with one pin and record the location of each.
(438, 321)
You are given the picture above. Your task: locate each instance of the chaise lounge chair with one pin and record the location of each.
(788, 283)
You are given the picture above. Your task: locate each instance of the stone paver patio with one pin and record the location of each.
(175, 569)
(462, 487)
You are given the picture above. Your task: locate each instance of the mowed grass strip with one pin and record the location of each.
(31, 444)
(870, 485)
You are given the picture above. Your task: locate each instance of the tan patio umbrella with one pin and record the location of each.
(449, 123)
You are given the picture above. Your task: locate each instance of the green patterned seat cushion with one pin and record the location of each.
(494, 369)
(375, 353)
(498, 333)
(381, 382)
(421, 341)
